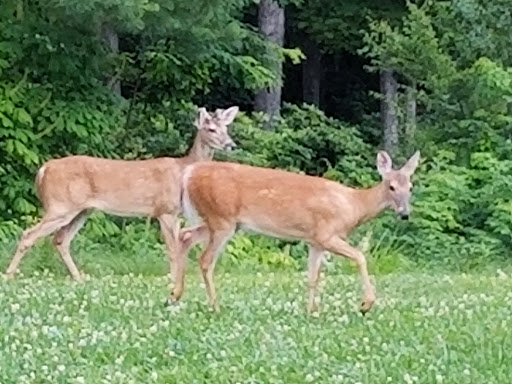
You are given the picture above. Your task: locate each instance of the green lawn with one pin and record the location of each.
(423, 329)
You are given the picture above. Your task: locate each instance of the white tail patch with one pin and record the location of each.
(39, 180)
(189, 210)
(40, 173)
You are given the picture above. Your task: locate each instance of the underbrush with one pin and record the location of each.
(460, 219)
(105, 247)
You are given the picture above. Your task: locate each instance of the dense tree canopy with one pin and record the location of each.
(123, 80)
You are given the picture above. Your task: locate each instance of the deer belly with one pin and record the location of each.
(270, 230)
(126, 209)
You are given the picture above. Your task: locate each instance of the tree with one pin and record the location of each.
(463, 96)
(388, 110)
(330, 34)
(311, 71)
(55, 70)
(111, 38)
(271, 25)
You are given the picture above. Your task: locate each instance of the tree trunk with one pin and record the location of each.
(271, 25)
(109, 35)
(410, 118)
(311, 72)
(388, 110)
(19, 10)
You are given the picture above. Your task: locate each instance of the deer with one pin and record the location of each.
(290, 206)
(70, 188)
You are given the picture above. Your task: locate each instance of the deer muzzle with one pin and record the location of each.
(403, 213)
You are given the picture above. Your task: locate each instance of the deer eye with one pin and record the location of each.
(392, 188)
(212, 130)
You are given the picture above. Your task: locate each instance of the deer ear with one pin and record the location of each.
(411, 164)
(201, 117)
(384, 163)
(227, 116)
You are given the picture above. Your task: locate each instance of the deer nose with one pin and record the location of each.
(403, 212)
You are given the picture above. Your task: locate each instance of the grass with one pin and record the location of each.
(450, 328)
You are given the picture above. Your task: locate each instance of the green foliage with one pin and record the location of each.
(474, 28)
(411, 48)
(466, 102)
(158, 130)
(305, 140)
(458, 216)
(54, 65)
(337, 25)
(191, 50)
(244, 249)
(34, 124)
(465, 90)
(15, 150)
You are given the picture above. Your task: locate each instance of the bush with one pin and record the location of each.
(36, 126)
(305, 140)
(461, 213)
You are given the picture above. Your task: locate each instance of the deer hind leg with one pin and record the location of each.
(170, 227)
(217, 240)
(315, 258)
(342, 248)
(178, 244)
(62, 241)
(190, 236)
(48, 224)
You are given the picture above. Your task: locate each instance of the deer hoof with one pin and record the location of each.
(78, 279)
(365, 308)
(169, 303)
(9, 276)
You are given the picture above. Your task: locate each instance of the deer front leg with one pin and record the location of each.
(170, 232)
(208, 258)
(315, 259)
(62, 241)
(342, 248)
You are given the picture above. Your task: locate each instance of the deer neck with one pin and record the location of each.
(200, 151)
(371, 202)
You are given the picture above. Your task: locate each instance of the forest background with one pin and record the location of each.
(323, 84)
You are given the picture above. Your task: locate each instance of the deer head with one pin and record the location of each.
(397, 183)
(213, 128)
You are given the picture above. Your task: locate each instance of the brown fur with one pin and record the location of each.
(133, 188)
(71, 187)
(284, 203)
(291, 206)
